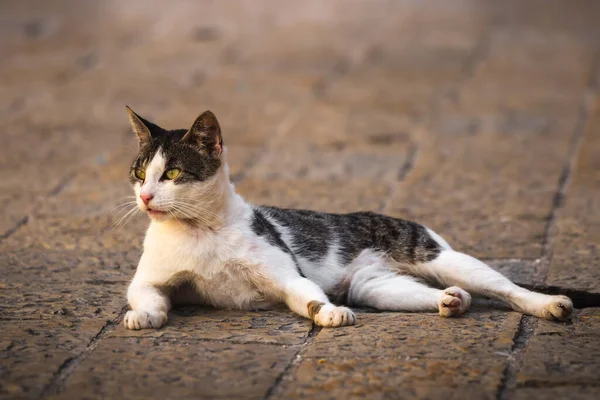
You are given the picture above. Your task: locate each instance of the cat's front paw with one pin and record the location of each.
(557, 308)
(454, 302)
(332, 316)
(144, 320)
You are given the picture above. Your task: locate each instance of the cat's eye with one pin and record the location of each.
(140, 174)
(173, 173)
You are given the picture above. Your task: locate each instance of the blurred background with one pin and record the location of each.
(460, 114)
(479, 119)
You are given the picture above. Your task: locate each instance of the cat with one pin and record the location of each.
(206, 245)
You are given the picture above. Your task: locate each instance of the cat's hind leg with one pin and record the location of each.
(454, 268)
(374, 283)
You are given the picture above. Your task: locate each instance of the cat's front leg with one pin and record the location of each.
(306, 298)
(149, 306)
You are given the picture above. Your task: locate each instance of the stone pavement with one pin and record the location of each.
(480, 119)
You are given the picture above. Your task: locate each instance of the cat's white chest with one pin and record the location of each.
(226, 290)
(217, 263)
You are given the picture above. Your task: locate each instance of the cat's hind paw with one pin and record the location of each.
(454, 302)
(332, 316)
(144, 320)
(558, 308)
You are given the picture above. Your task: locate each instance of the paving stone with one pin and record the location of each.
(557, 19)
(16, 205)
(152, 369)
(240, 160)
(39, 266)
(94, 301)
(54, 250)
(576, 254)
(201, 323)
(574, 355)
(481, 99)
(517, 175)
(334, 127)
(570, 392)
(130, 33)
(42, 174)
(399, 355)
(316, 51)
(485, 332)
(391, 378)
(31, 267)
(97, 190)
(73, 235)
(495, 110)
(329, 196)
(32, 351)
(528, 49)
(514, 198)
(331, 144)
(520, 272)
(250, 106)
(31, 40)
(547, 94)
(315, 164)
(44, 169)
(411, 102)
(409, 65)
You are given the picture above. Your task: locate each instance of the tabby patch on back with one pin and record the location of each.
(207, 245)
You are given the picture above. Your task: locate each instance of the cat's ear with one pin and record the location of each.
(206, 133)
(138, 124)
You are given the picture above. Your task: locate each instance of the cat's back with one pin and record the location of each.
(313, 234)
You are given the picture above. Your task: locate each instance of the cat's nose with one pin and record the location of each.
(146, 198)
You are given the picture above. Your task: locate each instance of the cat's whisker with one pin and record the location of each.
(135, 213)
(118, 222)
(195, 210)
(122, 212)
(199, 210)
(187, 212)
(176, 219)
(190, 210)
(197, 219)
(204, 220)
(120, 207)
(180, 211)
(204, 206)
(125, 218)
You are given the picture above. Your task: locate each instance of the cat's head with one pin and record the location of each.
(180, 174)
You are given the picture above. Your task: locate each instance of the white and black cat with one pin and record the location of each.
(206, 245)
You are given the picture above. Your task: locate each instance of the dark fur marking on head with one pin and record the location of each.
(206, 134)
(314, 307)
(194, 162)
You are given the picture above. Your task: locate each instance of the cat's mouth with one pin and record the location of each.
(155, 213)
